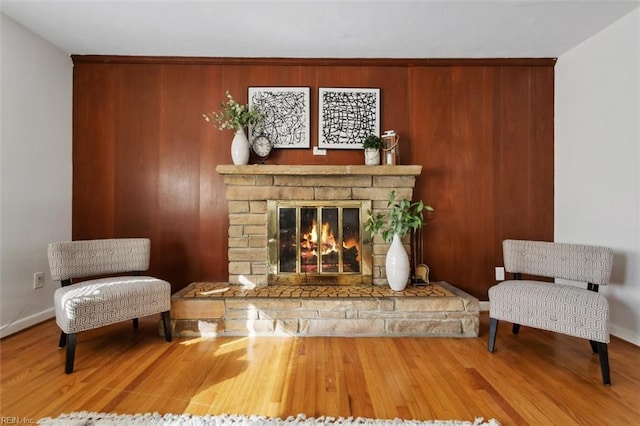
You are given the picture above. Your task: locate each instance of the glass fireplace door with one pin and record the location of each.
(319, 243)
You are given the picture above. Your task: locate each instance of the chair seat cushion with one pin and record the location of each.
(561, 308)
(104, 301)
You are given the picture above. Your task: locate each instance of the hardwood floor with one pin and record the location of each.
(536, 378)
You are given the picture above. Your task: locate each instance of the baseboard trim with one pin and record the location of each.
(23, 323)
(625, 334)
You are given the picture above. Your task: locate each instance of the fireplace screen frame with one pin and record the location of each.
(299, 277)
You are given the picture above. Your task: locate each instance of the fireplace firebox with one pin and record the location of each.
(318, 242)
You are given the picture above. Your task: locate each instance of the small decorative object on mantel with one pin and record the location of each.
(235, 116)
(372, 145)
(261, 147)
(390, 147)
(403, 216)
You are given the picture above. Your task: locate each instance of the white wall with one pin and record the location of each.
(597, 159)
(35, 170)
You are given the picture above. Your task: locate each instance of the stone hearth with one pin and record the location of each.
(221, 309)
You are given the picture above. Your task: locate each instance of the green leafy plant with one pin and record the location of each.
(372, 142)
(234, 116)
(403, 216)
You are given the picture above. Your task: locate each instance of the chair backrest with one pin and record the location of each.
(575, 262)
(86, 258)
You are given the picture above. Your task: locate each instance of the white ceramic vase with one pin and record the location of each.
(371, 157)
(240, 148)
(397, 265)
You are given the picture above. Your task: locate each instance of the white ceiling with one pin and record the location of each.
(318, 29)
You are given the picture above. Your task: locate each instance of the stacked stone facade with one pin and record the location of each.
(248, 188)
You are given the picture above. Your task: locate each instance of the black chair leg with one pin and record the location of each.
(594, 346)
(493, 329)
(71, 352)
(135, 323)
(166, 322)
(515, 329)
(63, 339)
(603, 354)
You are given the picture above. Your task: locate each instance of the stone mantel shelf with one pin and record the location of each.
(319, 170)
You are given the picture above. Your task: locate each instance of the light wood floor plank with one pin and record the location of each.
(535, 378)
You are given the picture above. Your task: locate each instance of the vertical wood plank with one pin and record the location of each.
(94, 107)
(179, 173)
(473, 176)
(137, 122)
(431, 121)
(213, 217)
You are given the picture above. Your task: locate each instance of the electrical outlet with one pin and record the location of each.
(499, 273)
(38, 280)
(318, 151)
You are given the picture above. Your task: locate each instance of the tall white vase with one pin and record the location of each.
(240, 148)
(397, 265)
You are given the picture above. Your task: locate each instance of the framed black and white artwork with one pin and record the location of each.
(286, 112)
(347, 116)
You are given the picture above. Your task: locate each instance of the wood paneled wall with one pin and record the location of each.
(144, 158)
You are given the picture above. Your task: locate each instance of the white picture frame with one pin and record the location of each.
(346, 116)
(286, 112)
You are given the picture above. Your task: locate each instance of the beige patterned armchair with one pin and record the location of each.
(103, 301)
(567, 309)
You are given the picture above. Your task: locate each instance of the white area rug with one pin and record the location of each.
(107, 419)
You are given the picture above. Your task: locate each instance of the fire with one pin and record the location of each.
(317, 240)
(351, 243)
(309, 239)
(328, 242)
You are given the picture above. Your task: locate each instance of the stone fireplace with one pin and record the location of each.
(272, 211)
(336, 198)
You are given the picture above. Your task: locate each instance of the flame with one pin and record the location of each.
(328, 242)
(309, 239)
(350, 243)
